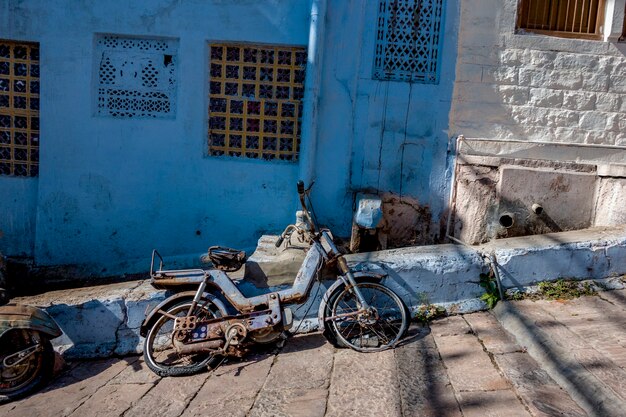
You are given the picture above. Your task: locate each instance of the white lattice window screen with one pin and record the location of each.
(136, 76)
(408, 41)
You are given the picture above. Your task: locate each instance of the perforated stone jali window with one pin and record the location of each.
(19, 109)
(136, 76)
(255, 95)
(408, 41)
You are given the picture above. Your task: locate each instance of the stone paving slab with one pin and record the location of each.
(458, 366)
(425, 388)
(567, 349)
(539, 393)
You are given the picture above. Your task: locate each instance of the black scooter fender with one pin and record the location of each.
(16, 316)
(173, 300)
(364, 276)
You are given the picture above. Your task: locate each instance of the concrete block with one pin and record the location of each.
(540, 133)
(562, 194)
(90, 328)
(541, 97)
(619, 68)
(522, 268)
(572, 135)
(550, 79)
(600, 137)
(611, 195)
(608, 102)
(579, 100)
(579, 62)
(595, 82)
(617, 84)
(528, 115)
(593, 121)
(514, 57)
(562, 118)
(500, 75)
(542, 59)
(515, 95)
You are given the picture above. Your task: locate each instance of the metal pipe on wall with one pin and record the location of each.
(312, 80)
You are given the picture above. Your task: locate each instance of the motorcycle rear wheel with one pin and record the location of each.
(159, 352)
(36, 369)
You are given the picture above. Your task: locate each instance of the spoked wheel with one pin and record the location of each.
(20, 376)
(159, 351)
(379, 328)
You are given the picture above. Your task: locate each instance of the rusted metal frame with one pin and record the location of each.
(218, 328)
(22, 355)
(340, 316)
(23, 317)
(293, 295)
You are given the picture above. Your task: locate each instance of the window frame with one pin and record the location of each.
(597, 35)
(30, 132)
(218, 138)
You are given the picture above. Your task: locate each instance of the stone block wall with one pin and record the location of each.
(535, 87)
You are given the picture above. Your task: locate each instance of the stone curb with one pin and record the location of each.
(597, 399)
(104, 321)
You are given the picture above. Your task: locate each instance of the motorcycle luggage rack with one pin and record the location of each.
(174, 277)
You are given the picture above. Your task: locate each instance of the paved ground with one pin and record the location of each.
(459, 366)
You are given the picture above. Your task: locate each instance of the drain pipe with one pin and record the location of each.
(490, 260)
(312, 80)
(455, 173)
(493, 264)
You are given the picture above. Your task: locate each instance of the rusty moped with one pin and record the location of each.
(193, 330)
(26, 354)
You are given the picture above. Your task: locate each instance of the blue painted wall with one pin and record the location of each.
(110, 190)
(381, 136)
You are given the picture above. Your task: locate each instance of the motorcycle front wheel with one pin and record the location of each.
(159, 351)
(29, 373)
(378, 329)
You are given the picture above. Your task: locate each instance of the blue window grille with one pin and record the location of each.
(408, 41)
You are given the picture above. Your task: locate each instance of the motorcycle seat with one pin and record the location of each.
(225, 259)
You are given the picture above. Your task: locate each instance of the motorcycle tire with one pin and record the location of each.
(20, 380)
(158, 344)
(380, 332)
(328, 332)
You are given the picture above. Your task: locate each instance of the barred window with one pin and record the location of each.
(564, 18)
(136, 77)
(255, 101)
(408, 41)
(19, 108)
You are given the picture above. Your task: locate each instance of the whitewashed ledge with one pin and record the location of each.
(104, 320)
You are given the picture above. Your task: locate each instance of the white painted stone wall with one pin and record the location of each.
(535, 87)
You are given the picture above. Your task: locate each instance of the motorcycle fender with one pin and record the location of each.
(16, 316)
(359, 277)
(153, 315)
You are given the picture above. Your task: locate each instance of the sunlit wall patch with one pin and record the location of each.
(136, 77)
(255, 101)
(408, 41)
(19, 108)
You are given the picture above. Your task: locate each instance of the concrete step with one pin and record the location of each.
(580, 344)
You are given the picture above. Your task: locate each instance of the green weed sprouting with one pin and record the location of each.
(562, 289)
(491, 295)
